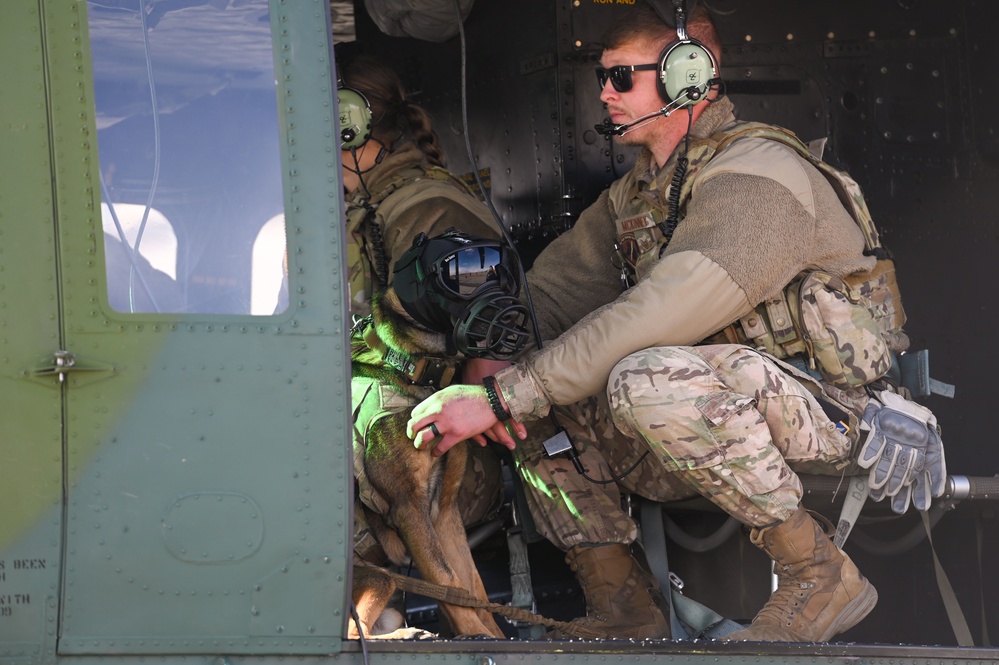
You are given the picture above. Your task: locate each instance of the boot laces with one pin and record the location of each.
(786, 601)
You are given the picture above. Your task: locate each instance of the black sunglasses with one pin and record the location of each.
(620, 76)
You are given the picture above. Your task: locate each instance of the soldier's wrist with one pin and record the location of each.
(495, 400)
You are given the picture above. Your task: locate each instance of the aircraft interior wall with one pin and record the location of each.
(903, 90)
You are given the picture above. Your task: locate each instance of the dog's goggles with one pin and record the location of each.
(467, 287)
(476, 268)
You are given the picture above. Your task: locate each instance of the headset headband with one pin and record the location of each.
(670, 10)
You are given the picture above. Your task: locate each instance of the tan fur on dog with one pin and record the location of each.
(420, 490)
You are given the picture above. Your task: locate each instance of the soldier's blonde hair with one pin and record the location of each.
(641, 24)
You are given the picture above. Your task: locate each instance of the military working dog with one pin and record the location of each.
(408, 497)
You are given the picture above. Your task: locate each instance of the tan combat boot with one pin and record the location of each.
(820, 593)
(620, 594)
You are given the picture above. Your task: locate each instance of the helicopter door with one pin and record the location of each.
(31, 461)
(196, 412)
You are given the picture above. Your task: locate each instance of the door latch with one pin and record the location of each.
(62, 362)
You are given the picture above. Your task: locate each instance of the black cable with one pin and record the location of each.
(573, 455)
(701, 543)
(613, 479)
(377, 245)
(360, 633)
(571, 452)
(667, 228)
(478, 179)
(676, 186)
(899, 545)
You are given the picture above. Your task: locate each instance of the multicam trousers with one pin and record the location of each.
(724, 422)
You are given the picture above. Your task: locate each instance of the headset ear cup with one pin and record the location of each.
(686, 69)
(355, 118)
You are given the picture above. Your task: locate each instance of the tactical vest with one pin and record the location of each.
(846, 329)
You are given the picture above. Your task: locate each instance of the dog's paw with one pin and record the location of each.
(389, 621)
(406, 634)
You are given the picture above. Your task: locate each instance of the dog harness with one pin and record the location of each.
(428, 371)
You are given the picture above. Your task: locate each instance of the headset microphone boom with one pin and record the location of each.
(608, 129)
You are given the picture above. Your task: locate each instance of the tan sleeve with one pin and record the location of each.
(764, 214)
(686, 297)
(767, 159)
(574, 274)
(437, 207)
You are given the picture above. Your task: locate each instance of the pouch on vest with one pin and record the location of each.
(879, 288)
(840, 330)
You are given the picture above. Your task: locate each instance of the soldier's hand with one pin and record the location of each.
(454, 414)
(494, 433)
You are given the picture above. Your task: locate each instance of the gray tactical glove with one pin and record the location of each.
(903, 451)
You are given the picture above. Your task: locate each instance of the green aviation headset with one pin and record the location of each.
(355, 118)
(687, 68)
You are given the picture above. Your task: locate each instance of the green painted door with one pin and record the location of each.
(190, 365)
(31, 452)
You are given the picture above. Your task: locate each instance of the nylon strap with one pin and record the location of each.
(522, 595)
(654, 542)
(432, 371)
(957, 621)
(688, 618)
(456, 596)
(853, 503)
(986, 640)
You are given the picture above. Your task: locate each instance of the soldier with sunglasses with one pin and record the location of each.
(670, 388)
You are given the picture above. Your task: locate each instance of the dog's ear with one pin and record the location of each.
(399, 331)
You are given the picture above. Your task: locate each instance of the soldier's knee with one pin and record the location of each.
(658, 386)
(662, 372)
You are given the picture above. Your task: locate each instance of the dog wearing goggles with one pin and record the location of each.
(451, 296)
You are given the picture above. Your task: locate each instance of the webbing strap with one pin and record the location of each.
(957, 621)
(688, 618)
(456, 596)
(654, 541)
(853, 503)
(522, 595)
(986, 640)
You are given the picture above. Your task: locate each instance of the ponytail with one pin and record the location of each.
(424, 135)
(392, 117)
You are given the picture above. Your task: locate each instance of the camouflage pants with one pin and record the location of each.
(481, 493)
(724, 422)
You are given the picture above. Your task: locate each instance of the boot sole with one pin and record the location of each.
(853, 613)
